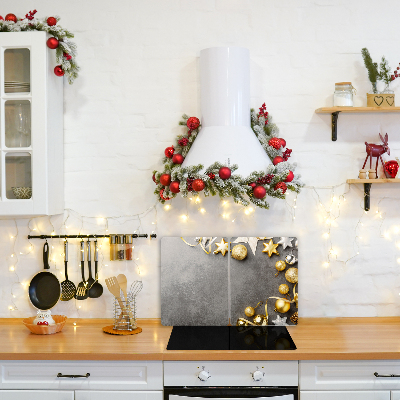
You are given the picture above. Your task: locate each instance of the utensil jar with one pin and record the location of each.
(125, 317)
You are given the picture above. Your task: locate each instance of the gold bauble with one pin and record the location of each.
(239, 252)
(282, 306)
(249, 340)
(258, 319)
(249, 311)
(283, 289)
(241, 322)
(291, 275)
(280, 266)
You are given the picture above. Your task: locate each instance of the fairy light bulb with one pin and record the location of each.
(325, 235)
(167, 207)
(184, 217)
(202, 210)
(325, 264)
(12, 268)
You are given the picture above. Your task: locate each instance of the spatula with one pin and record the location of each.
(115, 290)
(68, 289)
(81, 290)
(123, 284)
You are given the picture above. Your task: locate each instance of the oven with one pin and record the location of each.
(238, 380)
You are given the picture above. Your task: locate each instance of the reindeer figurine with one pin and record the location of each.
(376, 150)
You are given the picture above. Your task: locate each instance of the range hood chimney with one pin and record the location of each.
(226, 135)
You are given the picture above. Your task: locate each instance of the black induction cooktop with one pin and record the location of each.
(230, 338)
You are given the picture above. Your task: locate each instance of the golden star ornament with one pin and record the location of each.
(270, 248)
(222, 247)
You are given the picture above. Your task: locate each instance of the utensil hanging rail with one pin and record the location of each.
(134, 236)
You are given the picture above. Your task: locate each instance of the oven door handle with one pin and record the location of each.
(386, 376)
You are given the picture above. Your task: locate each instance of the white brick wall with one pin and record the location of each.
(139, 73)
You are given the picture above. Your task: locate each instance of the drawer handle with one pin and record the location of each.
(60, 375)
(386, 376)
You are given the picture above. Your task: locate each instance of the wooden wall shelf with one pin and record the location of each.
(367, 187)
(336, 110)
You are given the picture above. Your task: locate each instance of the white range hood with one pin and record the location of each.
(225, 106)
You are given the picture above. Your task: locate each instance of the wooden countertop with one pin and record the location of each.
(315, 338)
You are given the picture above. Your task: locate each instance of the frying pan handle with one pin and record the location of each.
(46, 256)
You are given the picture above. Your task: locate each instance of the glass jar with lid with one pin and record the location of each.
(343, 96)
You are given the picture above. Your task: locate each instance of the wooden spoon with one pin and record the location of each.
(123, 284)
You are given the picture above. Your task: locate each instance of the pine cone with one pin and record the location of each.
(189, 182)
(183, 142)
(295, 318)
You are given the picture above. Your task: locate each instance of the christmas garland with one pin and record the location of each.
(65, 48)
(218, 178)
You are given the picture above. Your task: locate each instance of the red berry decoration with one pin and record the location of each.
(169, 151)
(252, 184)
(193, 123)
(11, 17)
(183, 142)
(67, 56)
(51, 21)
(165, 179)
(225, 173)
(189, 182)
(283, 142)
(259, 192)
(52, 43)
(286, 154)
(177, 158)
(59, 71)
(198, 185)
(282, 186)
(276, 143)
(174, 187)
(211, 176)
(290, 177)
(162, 195)
(277, 160)
(391, 168)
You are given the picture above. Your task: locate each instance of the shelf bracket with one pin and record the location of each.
(367, 196)
(335, 116)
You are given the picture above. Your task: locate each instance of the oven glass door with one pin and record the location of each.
(231, 393)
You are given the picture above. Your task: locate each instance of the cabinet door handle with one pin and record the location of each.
(60, 375)
(386, 376)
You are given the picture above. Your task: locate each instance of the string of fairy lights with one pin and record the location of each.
(328, 215)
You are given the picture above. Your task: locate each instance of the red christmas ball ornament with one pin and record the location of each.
(198, 185)
(259, 192)
(51, 21)
(177, 158)
(277, 160)
(162, 195)
(1, 18)
(290, 177)
(11, 17)
(391, 168)
(282, 186)
(59, 71)
(174, 187)
(276, 143)
(154, 179)
(283, 142)
(165, 179)
(52, 43)
(253, 184)
(193, 123)
(169, 151)
(225, 173)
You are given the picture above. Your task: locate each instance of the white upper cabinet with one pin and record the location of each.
(31, 127)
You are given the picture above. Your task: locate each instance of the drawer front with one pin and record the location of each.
(349, 375)
(117, 395)
(345, 395)
(238, 373)
(123, 375)
(35, 395)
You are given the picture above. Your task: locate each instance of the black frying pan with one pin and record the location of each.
(44, 289)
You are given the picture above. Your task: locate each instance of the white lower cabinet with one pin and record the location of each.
(345, 395)
(349, 380)
(117, 395)
(36, 395)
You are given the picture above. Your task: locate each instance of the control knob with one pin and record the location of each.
(204, 375)
(257, 375)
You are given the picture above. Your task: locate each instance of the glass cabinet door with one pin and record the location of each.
(16, 125)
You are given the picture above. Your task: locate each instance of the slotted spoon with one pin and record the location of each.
(68, 289)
